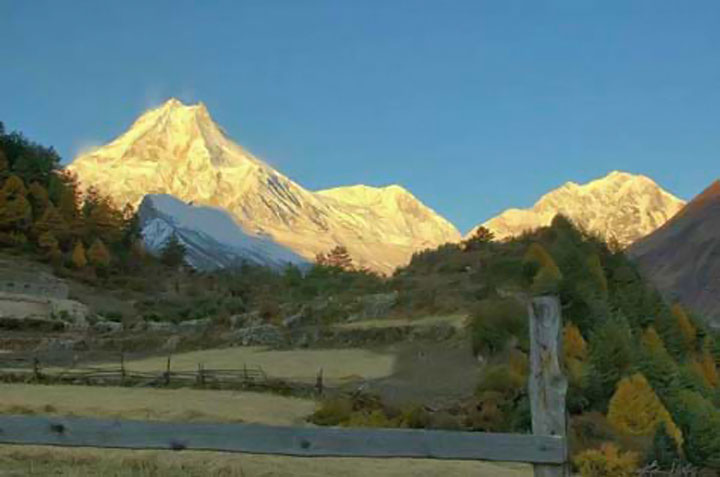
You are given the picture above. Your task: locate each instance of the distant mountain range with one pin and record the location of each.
(619, 207)
(179, 158)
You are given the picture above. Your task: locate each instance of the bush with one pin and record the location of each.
(495, 321)
(333, 412)
(607, 461)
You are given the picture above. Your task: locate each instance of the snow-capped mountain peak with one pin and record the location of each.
(179, 150)
(620, 206)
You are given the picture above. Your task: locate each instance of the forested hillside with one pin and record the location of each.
(642, 373)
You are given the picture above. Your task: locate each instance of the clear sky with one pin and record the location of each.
(475, 106)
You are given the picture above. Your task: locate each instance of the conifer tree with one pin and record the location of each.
(4, 167)
(635, 409)
(173, 253)
(52, 221)
(688, 330)
(98, 254)
(39, 199)
(609, 358)
(479, 238)
(338, 257)
(79, 259)
(664, 451)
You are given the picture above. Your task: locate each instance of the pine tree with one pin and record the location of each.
(688, 330)
(656, 363)
(98, 255)
(4, 167)
(338, 257)
(479, 238)
(664, 451)
(14, 188)
(52, 221)
(103, 220)
(173, 253)
(79, 259)
(609, 359)
(635, 409)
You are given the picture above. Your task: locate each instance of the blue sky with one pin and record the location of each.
(475, 106)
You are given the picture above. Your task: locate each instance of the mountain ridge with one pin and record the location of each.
(620, 207)
(179, 150)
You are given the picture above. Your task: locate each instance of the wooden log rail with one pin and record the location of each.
(290, 441)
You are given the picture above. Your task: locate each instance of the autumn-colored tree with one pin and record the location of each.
(13, 188)
(688, 330)
(607, 461)
(104, 221)
(39, 199)
(574, 345)
(15, 210)
(98, 254)
(338, 257)
(635, 409)
(705, 367)
(79, 259)
(52, 221)
(547, 276)
(652, 340)
(49, 244)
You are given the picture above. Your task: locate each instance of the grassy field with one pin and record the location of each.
(80, 462)
(155, 404)
(297, 365)
(458, 321)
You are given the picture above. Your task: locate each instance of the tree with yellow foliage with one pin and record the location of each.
(98, 254)
(688, 330)
(607, 461)
(652, 341)
(635, 409)
(548, 276)
(79, 259)
(53, 222)
(39, 199)
(575, 352)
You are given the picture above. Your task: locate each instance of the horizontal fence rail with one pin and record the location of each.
(290, 441)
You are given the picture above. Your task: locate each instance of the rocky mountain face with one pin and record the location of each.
(620, 206)
(179, 150)
(211, 237)
(682, 258)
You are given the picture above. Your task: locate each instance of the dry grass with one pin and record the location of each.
(155, 404)
(42, 461)
(296, 364)
(458, 321)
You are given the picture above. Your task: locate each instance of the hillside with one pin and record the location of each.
(179, 150)
(682, 258)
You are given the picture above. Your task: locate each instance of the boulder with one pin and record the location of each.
(107, 327)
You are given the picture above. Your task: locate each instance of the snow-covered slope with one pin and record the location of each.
(620, 206)
(178, 150)
(211, 236)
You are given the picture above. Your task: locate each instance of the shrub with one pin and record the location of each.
(495, 321)
(607, 461)
(333, 412)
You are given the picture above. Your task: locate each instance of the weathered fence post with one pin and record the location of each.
(167, 371)
(319, 387)
(547, 384)
(201, 375)
(36, 369)
(122, 368)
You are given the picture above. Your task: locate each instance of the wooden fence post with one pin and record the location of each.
(122, 368)
(547, 384)
(201, 375)
(319, 387)
(36, 369)
(167, 371)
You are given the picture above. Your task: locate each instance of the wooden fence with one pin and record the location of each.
(546, 448)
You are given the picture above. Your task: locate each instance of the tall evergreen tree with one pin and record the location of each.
(173, 253)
